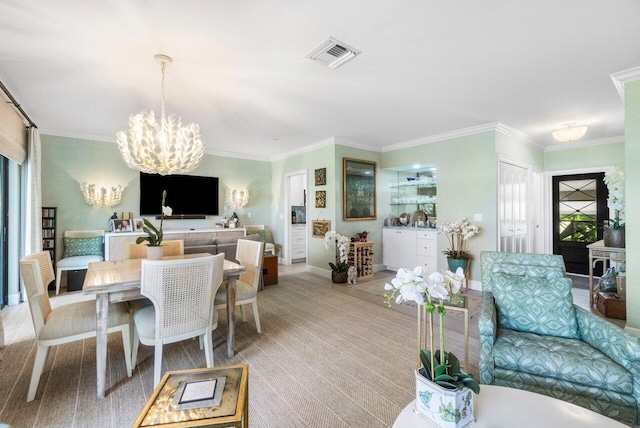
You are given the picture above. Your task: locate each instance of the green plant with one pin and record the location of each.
(448, 374)
(615, 184)
(458, 232)
(154, 236)
(341, 250)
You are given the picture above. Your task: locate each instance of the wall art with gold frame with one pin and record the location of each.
(358, 189)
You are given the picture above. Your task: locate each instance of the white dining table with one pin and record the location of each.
(119, 281)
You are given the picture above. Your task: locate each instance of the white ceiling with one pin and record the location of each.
(81, 67)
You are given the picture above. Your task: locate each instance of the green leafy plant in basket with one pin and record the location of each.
(447, 375)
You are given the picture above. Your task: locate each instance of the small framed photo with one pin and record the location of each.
(138, 224)
(321, 176)
(320, 227)
(118, 226)
(321, 199)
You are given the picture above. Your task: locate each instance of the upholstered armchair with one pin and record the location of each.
(532, 337)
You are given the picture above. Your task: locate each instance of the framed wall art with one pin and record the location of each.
(321, 199)
(321, 176)
(358, 189)
(320, 227)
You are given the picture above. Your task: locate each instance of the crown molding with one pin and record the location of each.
(443, 136)
(589, 143)
(518, 135)
(77, 135)
(622, 77)
(317, 145)
(356, 145)
(224, 154)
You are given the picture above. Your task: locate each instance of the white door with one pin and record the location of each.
(513, 208)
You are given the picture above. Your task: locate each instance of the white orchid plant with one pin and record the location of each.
(458, 232)
(341, 244)
(439, 366)
(154, 236)
(614, 180)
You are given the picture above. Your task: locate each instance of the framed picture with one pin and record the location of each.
(358, 189)
(321, 176)
(321, 199)
(320, 227)
(138, 224)
(121, 226)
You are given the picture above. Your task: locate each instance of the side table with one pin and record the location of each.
(599, 253)
(233, 410)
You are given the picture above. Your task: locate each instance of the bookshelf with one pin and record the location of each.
(49, 232)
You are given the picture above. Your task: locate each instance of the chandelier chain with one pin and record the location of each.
(164, 66)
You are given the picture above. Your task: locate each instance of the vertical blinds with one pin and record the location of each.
(13, 135)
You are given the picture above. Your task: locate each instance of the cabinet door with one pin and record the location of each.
(399, 248)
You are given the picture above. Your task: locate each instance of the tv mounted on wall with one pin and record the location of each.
(187, 195)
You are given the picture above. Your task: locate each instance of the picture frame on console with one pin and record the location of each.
(121, 225)
(138, 224)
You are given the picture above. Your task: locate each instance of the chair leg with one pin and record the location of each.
(208, 348)
(58, 275)
(126, 344)
(38, 365)
(256, 316)
(157, 364)
(244, 315)
(134, 349)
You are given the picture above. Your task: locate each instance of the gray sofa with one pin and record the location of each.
(226, 245)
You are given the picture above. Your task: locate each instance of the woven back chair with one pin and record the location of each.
(66, 323)
(182, 295)
(139, 251)
(249, 254)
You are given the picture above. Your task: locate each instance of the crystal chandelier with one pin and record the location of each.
(101, 198)
(237, 198)
(164, 147)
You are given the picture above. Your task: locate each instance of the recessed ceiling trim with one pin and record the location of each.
(332, 53)
(622, 77)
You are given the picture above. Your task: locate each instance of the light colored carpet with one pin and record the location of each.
(325, 358)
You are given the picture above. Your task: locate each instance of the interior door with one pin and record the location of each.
(579, 210)
(513, 212)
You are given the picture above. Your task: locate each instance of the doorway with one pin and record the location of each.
(579, 209)
(295, 215)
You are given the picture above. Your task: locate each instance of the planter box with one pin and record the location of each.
(446, 408)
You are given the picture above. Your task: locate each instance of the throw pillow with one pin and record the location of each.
(532, 271)
(535, 305)
(261, 233)
(83, 246)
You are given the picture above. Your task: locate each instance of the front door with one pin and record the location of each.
(579, 210)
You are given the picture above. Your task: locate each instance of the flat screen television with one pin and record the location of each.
(186, 194)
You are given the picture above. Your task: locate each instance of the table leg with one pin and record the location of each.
(591, 262)
(102, 312)
(231, 314)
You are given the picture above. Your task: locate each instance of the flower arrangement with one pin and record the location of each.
(458, 232)
(341, 243)
(615, 183)
(439, 366)
(154, 236)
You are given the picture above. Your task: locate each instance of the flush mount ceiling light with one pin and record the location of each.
(569, 132)
(102, 197)
(164, 147)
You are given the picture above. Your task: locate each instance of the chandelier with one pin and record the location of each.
(164, 147)
(569, 132)
(101, 197)
(237, 198)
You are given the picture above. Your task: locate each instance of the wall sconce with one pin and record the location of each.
(101, 197)
(237, 198)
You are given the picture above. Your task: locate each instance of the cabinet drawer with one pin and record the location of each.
(430, 264)
(427, 234)
(426, 247)
(298, 252)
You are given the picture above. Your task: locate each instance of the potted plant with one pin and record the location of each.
(154, 236)
(458, 232)
(340, 267)
(614, 230)
(444, 393)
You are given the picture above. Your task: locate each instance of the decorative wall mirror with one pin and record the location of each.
(358, 189)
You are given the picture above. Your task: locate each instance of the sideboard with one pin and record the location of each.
(407, 247)
(116, 242)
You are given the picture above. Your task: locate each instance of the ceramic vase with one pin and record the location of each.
(339, 277)
(608, 281)
(454, 264)
(155, 253)
(445, 408)
(613, 238)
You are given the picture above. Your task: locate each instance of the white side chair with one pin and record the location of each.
(249, 254)
(139, 251)
(66, 323)
(79, 258)
(182, 295)
(258, 229)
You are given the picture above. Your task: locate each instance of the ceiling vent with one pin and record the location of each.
(332, 53)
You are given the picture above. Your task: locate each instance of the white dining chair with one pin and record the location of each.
(249, 254)
(182, 295)
(66, 323)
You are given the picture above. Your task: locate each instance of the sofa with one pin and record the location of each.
(533, 338)
(226, 245)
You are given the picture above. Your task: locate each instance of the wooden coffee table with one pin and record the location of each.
(499, 406)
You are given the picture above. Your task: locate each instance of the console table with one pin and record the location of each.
(599, 253)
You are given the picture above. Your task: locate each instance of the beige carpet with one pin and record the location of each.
(325, 358)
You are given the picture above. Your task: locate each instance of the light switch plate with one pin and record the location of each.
(477, 217)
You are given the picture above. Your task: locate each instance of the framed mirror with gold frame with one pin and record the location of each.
(358, 189)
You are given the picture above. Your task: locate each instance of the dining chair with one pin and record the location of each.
(66, 323)
(182, 295)
(139, 251)
(249, 254)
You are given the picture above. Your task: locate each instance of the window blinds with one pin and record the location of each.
(13, 134)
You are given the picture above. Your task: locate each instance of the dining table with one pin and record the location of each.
(119, 281)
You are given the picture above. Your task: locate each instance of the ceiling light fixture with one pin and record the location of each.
(569, 132)
(101, 198)
(163, 148)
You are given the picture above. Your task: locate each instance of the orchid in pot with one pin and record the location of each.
(155, 235)
(458, 232)
(443, 391)
(340, 267)
(614, 228)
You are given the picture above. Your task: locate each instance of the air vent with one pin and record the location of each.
(332, 53)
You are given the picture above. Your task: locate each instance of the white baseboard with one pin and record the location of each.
(319, 271)
(475, 285)
(633, 330)
(13, 299)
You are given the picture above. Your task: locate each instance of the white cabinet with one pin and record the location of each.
(298, 241)
(408, 248)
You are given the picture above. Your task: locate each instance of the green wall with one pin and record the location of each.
(585, 157)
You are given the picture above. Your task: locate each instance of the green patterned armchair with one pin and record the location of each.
(532, 337)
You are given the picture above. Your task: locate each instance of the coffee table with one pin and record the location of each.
(499, 406)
